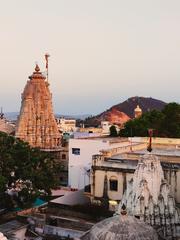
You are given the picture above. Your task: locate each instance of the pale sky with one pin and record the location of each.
(102, 51)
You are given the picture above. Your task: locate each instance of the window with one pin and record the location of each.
(76, 151)
(63, 156)
(113, 184)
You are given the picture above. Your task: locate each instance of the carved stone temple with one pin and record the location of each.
(149, 198)
(36, 123)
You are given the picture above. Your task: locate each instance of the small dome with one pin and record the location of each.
(2, 237)
(138, 109)
(37, 69)
(121, 228)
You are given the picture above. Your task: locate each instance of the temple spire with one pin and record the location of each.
(36, 123)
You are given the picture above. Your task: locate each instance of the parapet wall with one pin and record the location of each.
(124, 149)
(156, 140)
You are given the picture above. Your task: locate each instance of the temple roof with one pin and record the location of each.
(36, 123)
(121, 228)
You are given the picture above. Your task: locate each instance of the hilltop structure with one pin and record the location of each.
(137, 112)
(36, 123)
(121, 113)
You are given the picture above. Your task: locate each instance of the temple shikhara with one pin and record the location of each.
(148, 196)
(36, 122)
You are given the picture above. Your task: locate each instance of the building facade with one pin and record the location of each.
(66, 125)
(81, 152)
(112, 170)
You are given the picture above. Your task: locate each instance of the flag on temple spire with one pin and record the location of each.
(46, 57)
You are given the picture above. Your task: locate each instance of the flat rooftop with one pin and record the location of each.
(11, 226)
(155, 151)
(164, 152)
(105, 137)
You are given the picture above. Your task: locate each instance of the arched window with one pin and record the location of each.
(113, 184)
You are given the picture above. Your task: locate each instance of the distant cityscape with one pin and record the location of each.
(13, 116)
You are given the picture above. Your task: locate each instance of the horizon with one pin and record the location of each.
(102, 52)
(90, 114)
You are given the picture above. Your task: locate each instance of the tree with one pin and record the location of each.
(166, 123)
(113, 131)
(171, 123)
(25, 172)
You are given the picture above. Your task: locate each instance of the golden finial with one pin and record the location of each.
(37, 69)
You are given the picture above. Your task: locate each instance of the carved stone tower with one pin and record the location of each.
(36, 123)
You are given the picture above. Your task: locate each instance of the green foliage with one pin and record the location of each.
(171, 123)
(113, 131)
(37, 171)
(3, 182)
(165, 123)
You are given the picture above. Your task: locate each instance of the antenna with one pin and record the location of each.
(47, 69)
(150, 132)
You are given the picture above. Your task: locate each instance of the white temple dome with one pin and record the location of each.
(148, 196)
(121, 228)
(2, 237)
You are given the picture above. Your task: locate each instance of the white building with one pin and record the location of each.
(105, 125)
(66, 125)
(80, 156)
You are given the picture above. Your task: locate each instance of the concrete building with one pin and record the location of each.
(81, 152)
(112, 170)
(66, 125)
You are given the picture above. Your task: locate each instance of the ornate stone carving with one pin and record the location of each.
(36, 123)
(148, 197)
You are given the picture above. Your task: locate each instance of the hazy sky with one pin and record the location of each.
(102, 51)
